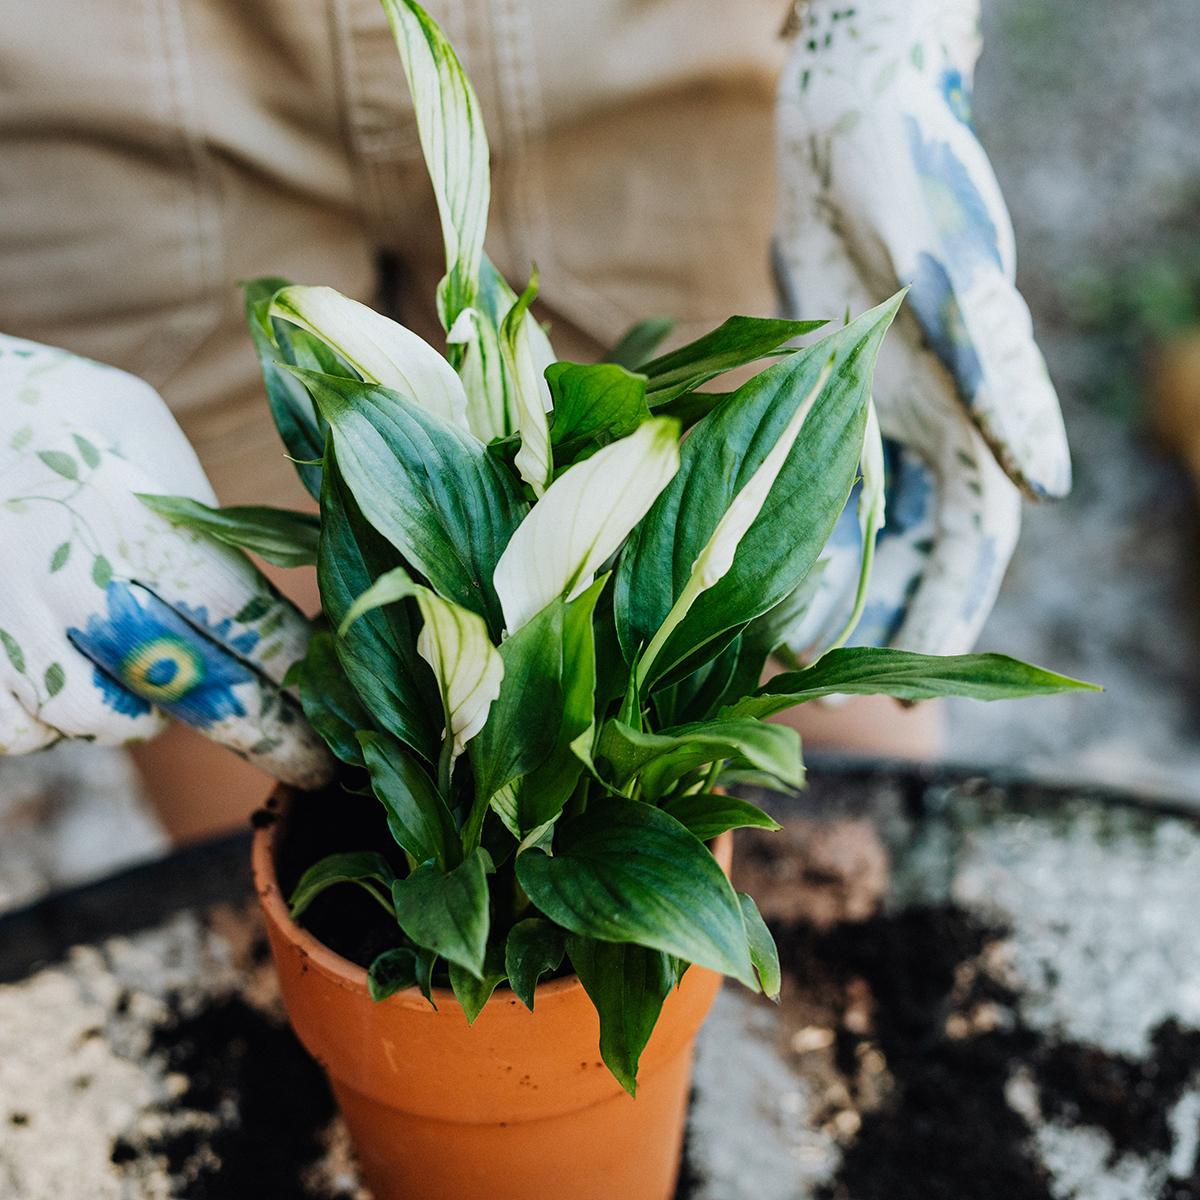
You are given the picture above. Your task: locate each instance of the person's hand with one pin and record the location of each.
(111, 618)
(883, 184)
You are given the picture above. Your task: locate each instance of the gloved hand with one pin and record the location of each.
(883, 184)
(109, 616)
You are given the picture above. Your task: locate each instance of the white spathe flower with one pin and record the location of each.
(583, 518)
(381, 350)
(454, 642)
(454, 142)
(527, 354)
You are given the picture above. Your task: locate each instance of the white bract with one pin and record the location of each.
(583, 518)
(455, 145)
(381, 350)
(871, 516)
(454, 642)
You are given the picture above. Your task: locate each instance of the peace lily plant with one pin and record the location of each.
(550, 590)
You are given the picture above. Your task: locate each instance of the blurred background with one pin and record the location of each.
(1091, 125)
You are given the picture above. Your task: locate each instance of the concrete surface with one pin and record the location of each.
(1089, 113)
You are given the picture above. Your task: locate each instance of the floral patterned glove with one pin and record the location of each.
(109, 616)
(882, 184)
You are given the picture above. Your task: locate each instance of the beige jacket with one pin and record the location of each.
(157, 151)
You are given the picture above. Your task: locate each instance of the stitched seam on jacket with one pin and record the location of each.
(201, 252)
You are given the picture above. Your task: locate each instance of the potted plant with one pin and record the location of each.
(549, 590)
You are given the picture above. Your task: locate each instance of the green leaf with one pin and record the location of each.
(101, 571)
(594, 404)
(659, 759)
(870, 671)
(60, 462)
(629, 872)
(534, 948)
(291, 408)
(763, 952)
(738, 341)
(330, 703)
(628, 985)
(54, 679)
(417, 815)
(450, 127)
(472, 992)
(12, 649)
(381, 350)
(772, 632)
(716, 556)
(690, 407)
(255, 608)
(541, 793)
(379, 651)
(364, 867)
(720, 457)
(455, 644)
(59, 558)
(696, 697)
(279, 535)
(399, 969)
(447, 911)
(639, 342)
(582, 519)
(524, 721)
(707, 815)
(430, 488)
(88, 452)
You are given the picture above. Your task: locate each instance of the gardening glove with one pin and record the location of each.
(883, 184)
(111, 618)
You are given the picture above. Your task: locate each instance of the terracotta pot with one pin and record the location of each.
(517, 1105)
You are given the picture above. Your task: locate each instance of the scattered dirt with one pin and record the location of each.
(252, 1117)
(1129, 1100)
(928, 1048)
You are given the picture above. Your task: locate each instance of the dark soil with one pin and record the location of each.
(270, 1102)
(344, 918)
(946, 1130)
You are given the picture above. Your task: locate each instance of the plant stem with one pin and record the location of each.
(386, 903)
(679, 610)
(446, 768)
(520, 900)
(714, 769)
(860, 595)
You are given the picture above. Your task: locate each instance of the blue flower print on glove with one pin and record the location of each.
(957, 95)
(936, 307)
(965, 228)
(146, 653)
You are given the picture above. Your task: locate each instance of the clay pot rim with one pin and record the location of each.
(341, 970)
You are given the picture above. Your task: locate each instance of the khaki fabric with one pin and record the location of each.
(157, 151)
